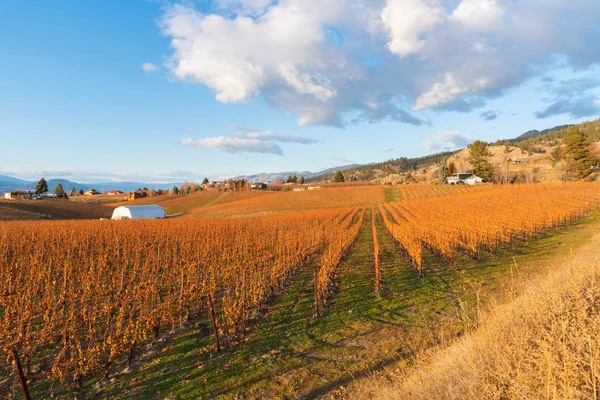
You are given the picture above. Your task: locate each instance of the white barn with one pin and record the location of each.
(138, 212)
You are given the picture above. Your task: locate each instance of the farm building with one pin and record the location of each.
(464, 179)
(138, 212)
(19, 194)
(259, 186)
(115, 193)
(91, 192)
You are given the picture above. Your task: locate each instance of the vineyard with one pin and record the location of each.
(81, 300)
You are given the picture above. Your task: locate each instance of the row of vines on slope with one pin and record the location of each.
(486, 219)
(82, 297)
(341, 237)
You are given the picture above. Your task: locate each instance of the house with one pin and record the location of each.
(473, 180)
(138, 194)
(115, 193)
(91, 192)
(463, 179)
(19, 194)
(138, 212)
(259, 186)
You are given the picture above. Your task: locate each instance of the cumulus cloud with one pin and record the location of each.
(336, 62)
(445, 141)
(479, 14)
(248, 140)
(447, 90)
(406, 22)
(149, 67)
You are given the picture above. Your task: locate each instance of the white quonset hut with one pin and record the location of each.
(138, 212)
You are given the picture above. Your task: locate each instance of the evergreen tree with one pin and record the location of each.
(42, 187)
(81, 192)
(338, 177)
(577, 153)
(443, 171)
(174, 190)
(205, 181)
(302, 180)
(451, 168)
(59, 191)
(73, 192)
(289, 179)
(479, 155)
(294, 179)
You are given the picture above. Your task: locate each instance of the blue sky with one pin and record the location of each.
(167, 91)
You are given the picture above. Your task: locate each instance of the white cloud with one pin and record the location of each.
(336, 62)
(305, 83)
(249, 140)
(238, 57)
(447, 90)
(388, 149)
(406, 22)
(235, 145)
(149, 67)
(445, 141)
(480, 14)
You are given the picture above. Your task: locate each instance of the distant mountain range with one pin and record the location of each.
(9, 183)
(273, 176)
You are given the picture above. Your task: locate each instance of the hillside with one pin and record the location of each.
(272, 177)
(527, 158)
(380, 170)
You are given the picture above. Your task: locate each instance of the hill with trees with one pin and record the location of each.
(530, 157)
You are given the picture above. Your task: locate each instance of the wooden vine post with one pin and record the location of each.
(213, 316)
(20, 374)
(376, 253)
(316, 284)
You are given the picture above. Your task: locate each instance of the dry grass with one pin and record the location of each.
(542, 345)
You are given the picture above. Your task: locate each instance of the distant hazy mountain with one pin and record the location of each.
(9, 183)
(273, 176)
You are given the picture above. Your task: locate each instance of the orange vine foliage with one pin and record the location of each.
(339, 239)
(486, 219)
(269, 203)
(87, 293)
